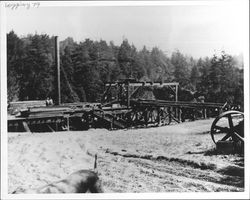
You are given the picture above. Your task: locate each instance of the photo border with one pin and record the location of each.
(169, 195)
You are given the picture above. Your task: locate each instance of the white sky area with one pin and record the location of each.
(195, 30)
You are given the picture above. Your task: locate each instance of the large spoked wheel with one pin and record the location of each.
(228, 126)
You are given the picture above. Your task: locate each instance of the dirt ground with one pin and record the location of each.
(175, 158)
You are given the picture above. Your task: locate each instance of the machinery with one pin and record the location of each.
(227, 132)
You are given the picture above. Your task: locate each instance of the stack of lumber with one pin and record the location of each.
(16, 107)
(36, 109)
(160, 103)
(50, 111)
(80, 105)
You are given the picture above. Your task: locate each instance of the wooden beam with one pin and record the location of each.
(50, 128)
(176, 93)
(143, 84)
(67, 118)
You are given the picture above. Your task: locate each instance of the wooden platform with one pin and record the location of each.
(140, 113)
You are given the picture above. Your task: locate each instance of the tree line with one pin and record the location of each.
(87, 65)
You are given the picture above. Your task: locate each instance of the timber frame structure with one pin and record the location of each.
(127, 87)
(118, 112)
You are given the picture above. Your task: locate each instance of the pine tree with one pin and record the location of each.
(181, 72)
(15, 55)
(126, 59)
(37, 79)
(68, 93)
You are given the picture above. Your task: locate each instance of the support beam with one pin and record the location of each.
(176, 93)
(50, 128)
(68, 123)
(159, 116)
(26, 127)
(137, 84)
(205, 113)
(179, 114)
(128, 96)
(169, 115)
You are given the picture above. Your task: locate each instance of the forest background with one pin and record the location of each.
(87, 65)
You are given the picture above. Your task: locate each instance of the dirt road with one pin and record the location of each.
(176, 158)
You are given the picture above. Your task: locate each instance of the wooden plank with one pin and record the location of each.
(15, 107)
(31, 103)
(174, 104)
(138, 83)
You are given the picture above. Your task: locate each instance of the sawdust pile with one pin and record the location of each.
(176, 158)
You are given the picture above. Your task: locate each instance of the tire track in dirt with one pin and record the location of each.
(178, 169)
(179, 174)
(233, 170)
(185, 179)
(191, 163)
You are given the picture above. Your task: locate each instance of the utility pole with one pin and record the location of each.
(57, 63)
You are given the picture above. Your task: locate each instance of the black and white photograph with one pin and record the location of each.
(142, 99)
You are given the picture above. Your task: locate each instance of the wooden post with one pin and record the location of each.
(112, 124)
(57, 62)
(159, 116)
(119, 93)
(179, 114)
(147, 116)
(169, 115)
(56, 125)
(205, 113)
(67, 123)
(128, 99)
(176, 93)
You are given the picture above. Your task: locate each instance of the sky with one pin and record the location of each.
(195, 30)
